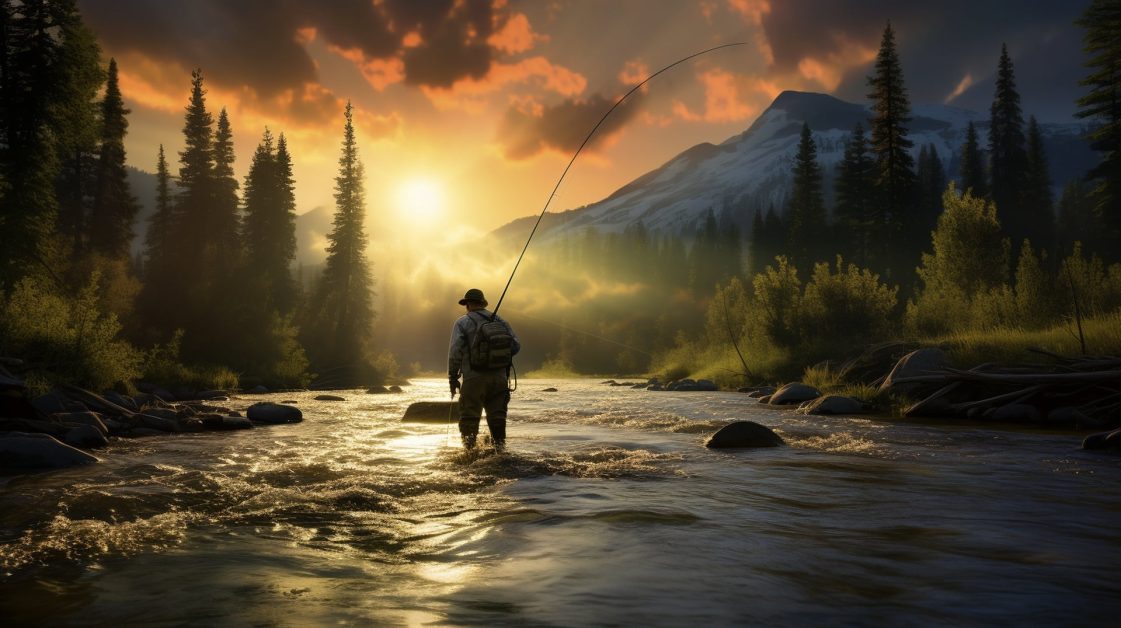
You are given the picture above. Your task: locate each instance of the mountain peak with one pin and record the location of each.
(820, 111)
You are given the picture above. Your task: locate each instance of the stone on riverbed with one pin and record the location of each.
(151, 422)
(794, 392)
(916, 363)
(266, 412)
(835, 404)
(39, 451)
(1103, 441)
(329, 398)
(85, 436)
(81, 418)
(432, 411)
(744, 434)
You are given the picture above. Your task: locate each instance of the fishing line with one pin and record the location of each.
(577, 153)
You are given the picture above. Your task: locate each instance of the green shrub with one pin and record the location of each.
(66, 339)
(777, 296)
(846, 309)
(163, 367)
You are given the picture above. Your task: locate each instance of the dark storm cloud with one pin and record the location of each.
(254, 42)
(939, 42)
(564, 126)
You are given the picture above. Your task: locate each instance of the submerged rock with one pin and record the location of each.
(377, 390)
(20, 450)
(835, 404)
(395, 389)
(267, 412)
(794, 392)
(549, 390)
(744, 434)
(329, 398)
(1103, 441)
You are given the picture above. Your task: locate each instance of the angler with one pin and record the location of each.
(482, 348)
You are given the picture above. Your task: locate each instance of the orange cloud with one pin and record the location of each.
(829, 72)
(966, 83)
(724, 99)
(470, 94)
(753, 12)
(515, 36)
(634, 72)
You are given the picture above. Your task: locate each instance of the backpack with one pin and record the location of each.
(491, 347)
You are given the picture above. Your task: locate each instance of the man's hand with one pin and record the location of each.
(453, 383)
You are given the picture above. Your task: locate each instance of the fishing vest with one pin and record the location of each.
(491, 347)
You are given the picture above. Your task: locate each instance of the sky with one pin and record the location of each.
(467, 111)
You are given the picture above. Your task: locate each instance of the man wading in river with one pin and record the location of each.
(482, 347)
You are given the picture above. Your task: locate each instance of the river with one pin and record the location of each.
(605, 510)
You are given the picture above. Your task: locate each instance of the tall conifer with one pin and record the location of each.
(973, 176)
(1038, 200)
(345, 292)
(224, 211)
(807, 207)
(114, 208)
(854, 189)
(1007, 158)
(159, 225)
(931, 185)
(1102, 103)
(895, 177)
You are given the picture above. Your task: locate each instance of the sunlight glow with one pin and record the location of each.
(420, 199)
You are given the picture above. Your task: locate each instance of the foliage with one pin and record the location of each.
(66, 338)
(806, 211)
(162, 366)
(114, 208)
(777, 296)
(1007, 156)
(1102, 21)
(846, 307)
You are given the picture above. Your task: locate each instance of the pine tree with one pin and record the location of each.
(159, 225)
(756, 245)
(1007, 158)
(345, 292)
(270, 224)
(224, 210)
(806, 211)
(853, 213)
(973, 177)
(931, 186)
(29, 208)
(77, 77)
(895, 177)
(1038, 200)
(1102, 21)
(114, 208)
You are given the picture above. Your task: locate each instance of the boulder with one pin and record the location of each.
(272, 413)
(85, 436)
(835, 404)
(759, 391)
(707, 385)
(259, 389)
(236, 423)
(744, 434)
(39, 451)
(210, 395)
(151, 422)
(1103, 441)
(794, 392)
(81, 418)
(329, 398)
(765, 398)
(655, 387)
(163, 413)
(918, 362)
(1017, 413)
(191, 424)
(377, 390)
(13, 424)
(52, 403)
(121, 400)
(549, 390)
(395, 388)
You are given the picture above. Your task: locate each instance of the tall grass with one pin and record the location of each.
(969, 348)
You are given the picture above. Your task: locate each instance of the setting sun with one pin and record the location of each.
(420, 199)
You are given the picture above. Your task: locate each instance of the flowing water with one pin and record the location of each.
(605, 510)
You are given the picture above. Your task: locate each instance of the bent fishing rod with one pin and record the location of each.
(587, 139)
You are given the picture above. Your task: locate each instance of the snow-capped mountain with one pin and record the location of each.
(753, 169)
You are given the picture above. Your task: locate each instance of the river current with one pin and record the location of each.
(605, 510)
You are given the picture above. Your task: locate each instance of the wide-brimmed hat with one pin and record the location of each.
(474, 294)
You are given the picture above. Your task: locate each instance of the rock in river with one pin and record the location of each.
(329, 398)
(39, 451)
(744, 434)
(1103, 441)
(266, 412)
(835, 404)
(794, 392)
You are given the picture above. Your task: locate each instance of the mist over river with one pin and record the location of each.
(606, 510)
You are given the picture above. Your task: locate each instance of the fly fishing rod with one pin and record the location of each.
(577, 153)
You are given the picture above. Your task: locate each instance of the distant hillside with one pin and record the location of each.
(753, 169)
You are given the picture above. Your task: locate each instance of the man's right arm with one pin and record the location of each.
(456, 350)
